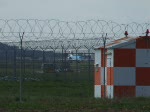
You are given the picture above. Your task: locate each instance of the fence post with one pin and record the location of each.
(89, 63)
(15, 76)
(21, 39)
(6, 62)
(104, 58)
(24, 60)
(54, 62)
(33, 52)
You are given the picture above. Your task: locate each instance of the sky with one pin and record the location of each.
(77, 10)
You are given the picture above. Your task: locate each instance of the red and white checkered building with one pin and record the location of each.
(127, 68)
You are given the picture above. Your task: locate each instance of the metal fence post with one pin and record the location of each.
(33, 67)
(15, 63)
(6, 62)
(104, 58)
(21, 39)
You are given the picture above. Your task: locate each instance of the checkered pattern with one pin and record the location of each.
(127, 70)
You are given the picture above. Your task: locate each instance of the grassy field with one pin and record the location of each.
(61, 96)
(79, 71)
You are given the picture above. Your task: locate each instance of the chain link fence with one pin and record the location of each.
(46, 64)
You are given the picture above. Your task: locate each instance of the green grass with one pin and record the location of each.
(57, 96)
(80, 71)
(61, 76)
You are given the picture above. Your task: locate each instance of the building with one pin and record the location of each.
(126, 71)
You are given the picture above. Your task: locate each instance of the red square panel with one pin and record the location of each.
(124, 91)
(98, 77)
(124, 57)
(143, 42)
(102, 57)
(110, 76)
(143, 76)
(103, 91)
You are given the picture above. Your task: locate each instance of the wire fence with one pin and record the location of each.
(31, 44)
(45, 65)
(54, 50)
(41, 42)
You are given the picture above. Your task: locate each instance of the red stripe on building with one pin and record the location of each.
(143, 43)
(102, 57)
(124, 57)
(98, 76)
(124, 91)
(142, 76)
(110, 76)
(103, 91)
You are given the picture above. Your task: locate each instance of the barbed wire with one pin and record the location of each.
(56, 33)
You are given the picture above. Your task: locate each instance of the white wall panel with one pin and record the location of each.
(110, 58)
(109, 62)
(98, 57)
(97, 91)
(124, 76)
(142, 57)
(142, 91)
(110, 92)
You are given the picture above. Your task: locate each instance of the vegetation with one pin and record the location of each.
(61, 96)
(64, 91)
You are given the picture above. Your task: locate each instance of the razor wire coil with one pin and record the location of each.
(55, 33)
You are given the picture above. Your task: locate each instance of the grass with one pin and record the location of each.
(80, 71)
(57, 96)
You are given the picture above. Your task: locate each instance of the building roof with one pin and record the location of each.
(120, 42)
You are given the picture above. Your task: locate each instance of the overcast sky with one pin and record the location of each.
(72, 10)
